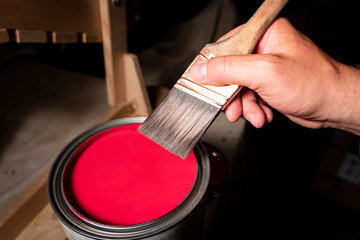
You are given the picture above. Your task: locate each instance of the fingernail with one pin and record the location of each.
(198, 72)
(252, 119)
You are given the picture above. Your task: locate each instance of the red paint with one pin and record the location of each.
(119, 177)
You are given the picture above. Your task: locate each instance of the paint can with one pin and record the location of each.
(184, 221)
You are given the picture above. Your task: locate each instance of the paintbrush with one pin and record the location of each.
(183, 116)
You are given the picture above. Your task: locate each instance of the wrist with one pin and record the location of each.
(345, 113)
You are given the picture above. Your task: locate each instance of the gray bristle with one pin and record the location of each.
(179, 122)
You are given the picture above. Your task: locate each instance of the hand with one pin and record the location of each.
(291, 74)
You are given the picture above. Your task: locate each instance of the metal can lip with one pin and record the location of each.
(93, 229)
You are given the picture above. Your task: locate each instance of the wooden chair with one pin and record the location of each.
(86, 21)
(69, 21)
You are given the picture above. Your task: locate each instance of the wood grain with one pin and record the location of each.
(88, 37)
(30, 36)
(114, 38)
(18, 215)
(135, 90)
(64, 37)
(51, 15)
(44, 226)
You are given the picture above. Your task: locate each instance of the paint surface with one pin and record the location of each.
(120, 177)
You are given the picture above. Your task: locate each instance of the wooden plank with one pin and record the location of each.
(44, 226)
(64, 37)
(88, 37)
(27, 36)
(135, 89)
(114, 38)
(51, 15)
(18, 215)
(4, 36)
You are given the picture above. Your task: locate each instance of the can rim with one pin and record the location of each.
(93, 229)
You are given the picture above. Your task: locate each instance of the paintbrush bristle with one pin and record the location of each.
(179, 122)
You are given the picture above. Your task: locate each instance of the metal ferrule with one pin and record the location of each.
(215, 95)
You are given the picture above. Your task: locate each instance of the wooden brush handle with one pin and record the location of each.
(245, 40)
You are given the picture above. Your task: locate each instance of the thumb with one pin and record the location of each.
(244, 70)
